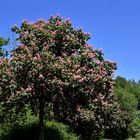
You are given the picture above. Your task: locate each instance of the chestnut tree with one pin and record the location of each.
(54, 64)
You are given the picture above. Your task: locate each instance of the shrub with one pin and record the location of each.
(30, 131)
(59, 131)
(134, 127)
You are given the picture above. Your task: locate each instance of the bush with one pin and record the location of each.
(59, 131)
(134, 127)
(4, 131)
(24, 126)
(30, 131)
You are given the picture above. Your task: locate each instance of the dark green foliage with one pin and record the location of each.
(10, 120)
(134, 127)
(117, 134)
(62, 131)
(52, 131)
(128, 95)
(3, 42)
(25, 126)
(127, 99)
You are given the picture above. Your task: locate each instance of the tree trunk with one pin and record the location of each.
(41, 115)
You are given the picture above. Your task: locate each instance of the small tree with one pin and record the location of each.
(3, 42)
(54, 64)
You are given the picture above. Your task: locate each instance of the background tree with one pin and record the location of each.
(3, 42)
(128, 89)
(55, 66)
(127, 92)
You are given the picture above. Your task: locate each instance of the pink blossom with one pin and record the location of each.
(91, 55)
(84, 53)
(31, 23)
(111, 62)
(26, 33)
(53, 32)
(64, 55)
(24, 21)
(85, 33)
(38, 57)
(40, 27)
(46, 47)
(61, 60)
(12, 58)
(73, 55)
(41, 20)
(79, 70)
(1, 61)
(102, 64)
(103, 72)
(78, 108)
(28, 89)
(35, 59)
(83, 68)
(27, 49)
(97, 61)
(58, 22)
(86, 46)
(68, 61)
(95, 80)
(76, 77)
(95, 100)
(41, 76)
(90, 70)
(82, 79)
(89, 34)
(100, 50)
(22, 46)
(76, 66)
(46, 22)
(101, 97)
(67, 21)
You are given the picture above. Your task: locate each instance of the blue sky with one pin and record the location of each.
(114, 25)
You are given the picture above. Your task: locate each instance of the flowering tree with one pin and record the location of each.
(54, 64)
